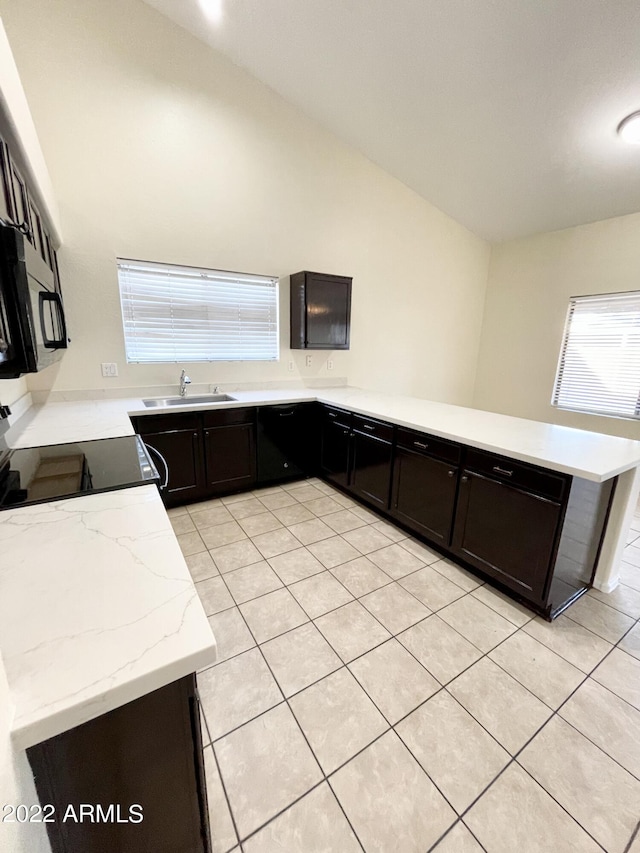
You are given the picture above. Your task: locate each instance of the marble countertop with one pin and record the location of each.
(97, 608)
(591, 455)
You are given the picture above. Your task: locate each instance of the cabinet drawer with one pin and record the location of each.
(424, 443)
(368, 426)
(225, 417)
(146, 424)
(538, 480)
(329, 413)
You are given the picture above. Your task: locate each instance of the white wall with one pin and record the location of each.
(12, 389)
(160, 149)
(16, 785)
(530, 282)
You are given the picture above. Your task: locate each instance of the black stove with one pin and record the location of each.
(32, 475)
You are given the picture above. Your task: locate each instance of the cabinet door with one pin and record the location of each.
(6, 181)
(371, 469)
(506, 532)
(424, 494)
(147, 752)
(328, 312)
(334, 452)
(20, 201)
(183, 454)
(229, 457)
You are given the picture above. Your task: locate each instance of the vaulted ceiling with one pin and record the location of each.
(502, 113)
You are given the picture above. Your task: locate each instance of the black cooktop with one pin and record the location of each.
(33, 475)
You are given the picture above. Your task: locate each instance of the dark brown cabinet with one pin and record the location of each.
(356, 454)
(177, 440)
(17, 205)
(536, 532)
(425, 476)
(507, 521)
(335, 446)
(371, 457)
(229, 450)
(205, 453)
(320, 311)
(147, 754)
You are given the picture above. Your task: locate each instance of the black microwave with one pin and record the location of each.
(33, 332)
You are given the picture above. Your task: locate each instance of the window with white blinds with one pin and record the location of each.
(173, 313)
(599, 367)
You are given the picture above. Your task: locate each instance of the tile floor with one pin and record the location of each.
(370, 695)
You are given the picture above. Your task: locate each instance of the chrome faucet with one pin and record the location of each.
(184, 381)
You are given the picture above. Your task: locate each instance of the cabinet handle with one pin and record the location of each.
(368, 426)
(345, 432)
(451, 473)
(421, 444)
(332, 414)
(465, 478)
(285, 414)
(502, 471)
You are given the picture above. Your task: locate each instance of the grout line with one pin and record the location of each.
(634, 835)
(443, 687)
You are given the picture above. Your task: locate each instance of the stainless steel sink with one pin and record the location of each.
(164, 402)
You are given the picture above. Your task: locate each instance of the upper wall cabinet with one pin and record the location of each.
(18, 207)
(320, 311)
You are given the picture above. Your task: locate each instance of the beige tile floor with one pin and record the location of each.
(370, 695)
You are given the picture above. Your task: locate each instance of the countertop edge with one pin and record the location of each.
(32, 733)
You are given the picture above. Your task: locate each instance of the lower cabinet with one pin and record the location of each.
(424, 494)
(142, 760)
(335, 446)
(229, 450)
(371, 459)
(535, 531)
(177, 441)
(508, 522)
(205, 453)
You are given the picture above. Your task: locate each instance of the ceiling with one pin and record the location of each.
(502, 113)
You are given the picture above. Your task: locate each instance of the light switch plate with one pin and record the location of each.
(307, 361)
(109, 369)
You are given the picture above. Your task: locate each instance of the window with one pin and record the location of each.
(599, 367)
(172, 313)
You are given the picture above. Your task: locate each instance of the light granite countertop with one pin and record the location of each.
(97, 608)
(591, 455)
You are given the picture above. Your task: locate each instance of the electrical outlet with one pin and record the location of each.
(307, 361)
(290, 366)
(330, 364)
(109, 369)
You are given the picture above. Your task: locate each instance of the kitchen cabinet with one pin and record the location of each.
(147, 753)
(206, 453)
(335, 447)
(535, 532)
(371, 457)
(320, 311)
(356, 454)
(507, 521)
(425, 477)
(178, 439)
(287, 441)
(18, 206)
(229, 450)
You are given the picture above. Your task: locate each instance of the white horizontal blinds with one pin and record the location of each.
(599, 368)
(173, 313)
